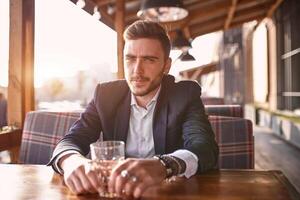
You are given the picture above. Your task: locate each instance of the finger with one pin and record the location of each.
(70, 185)
(138, 191)
(116, 171)
(119, 184)
(78, 186)
(129, 187)
(93, 177)
(85, 182)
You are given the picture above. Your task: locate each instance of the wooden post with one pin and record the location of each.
(272, 56)
(21, 61)
(119, 26)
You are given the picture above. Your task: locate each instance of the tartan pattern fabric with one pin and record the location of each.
(225, 110)
(234, 136)
(43, 130)
(212, 100)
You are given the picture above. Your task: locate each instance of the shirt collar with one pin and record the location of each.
(154, 99)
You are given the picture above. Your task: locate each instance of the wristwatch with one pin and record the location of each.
(166, 162)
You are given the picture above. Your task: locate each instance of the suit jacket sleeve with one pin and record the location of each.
(198, 135)
(83, 132)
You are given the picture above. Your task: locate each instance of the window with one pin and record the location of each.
(4, 52)
(73, 52)
(288, 43)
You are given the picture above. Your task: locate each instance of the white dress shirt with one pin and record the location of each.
(140, 142)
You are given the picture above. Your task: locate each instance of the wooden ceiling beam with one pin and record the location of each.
(270, 12)
(193, 16)
(103, 2)
(231, 12)
(251, 13)
(273, 8)
(247, 4)
(207, 27)
(212, 11)
(106, 2)
(196, 72)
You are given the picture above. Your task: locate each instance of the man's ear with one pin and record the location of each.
(168, 65)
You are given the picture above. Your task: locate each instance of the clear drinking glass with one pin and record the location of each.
(105, 156)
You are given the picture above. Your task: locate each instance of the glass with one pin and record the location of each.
(105, 156)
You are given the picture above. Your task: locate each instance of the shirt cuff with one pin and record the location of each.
(55, 163)
(190, 159)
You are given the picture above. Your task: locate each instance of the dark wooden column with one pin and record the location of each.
(21, 61)
(119, 26)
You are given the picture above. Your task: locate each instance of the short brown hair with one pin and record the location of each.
(149, 29)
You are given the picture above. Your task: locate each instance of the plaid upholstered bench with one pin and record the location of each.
(225, 110)
(42, 130)
(235, 138)
(212, 100)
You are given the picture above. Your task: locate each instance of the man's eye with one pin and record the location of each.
(149, 59)
(129, 59)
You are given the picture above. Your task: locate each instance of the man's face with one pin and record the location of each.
(144, 65)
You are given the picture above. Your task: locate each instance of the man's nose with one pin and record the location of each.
(138, 67)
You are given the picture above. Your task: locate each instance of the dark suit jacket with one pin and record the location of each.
(179, 121)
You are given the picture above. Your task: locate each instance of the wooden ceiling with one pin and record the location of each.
(205, 16)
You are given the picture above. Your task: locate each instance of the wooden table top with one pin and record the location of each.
(20, 182)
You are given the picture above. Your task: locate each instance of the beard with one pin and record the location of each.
(146, 84)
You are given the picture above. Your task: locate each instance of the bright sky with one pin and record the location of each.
(68, 39)
(204, 49)
(4, 32)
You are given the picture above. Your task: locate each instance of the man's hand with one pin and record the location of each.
(78, 175)
(137, 176)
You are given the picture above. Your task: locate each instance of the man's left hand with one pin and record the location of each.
(133, 176)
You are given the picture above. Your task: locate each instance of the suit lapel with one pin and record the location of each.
(160, 120)
(122, 119)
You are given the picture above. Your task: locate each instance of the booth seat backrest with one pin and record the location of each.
(225, 110)
(42, 131)
(235, 138)
(212, 100)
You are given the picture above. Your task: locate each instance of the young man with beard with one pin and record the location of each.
(151, 113)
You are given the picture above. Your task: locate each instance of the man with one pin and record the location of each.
(151, 113)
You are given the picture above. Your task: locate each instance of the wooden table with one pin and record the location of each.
(11, 141)
(19, 182)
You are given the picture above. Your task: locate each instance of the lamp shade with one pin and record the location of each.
(185, 56)
(181, 42)
(162, 10)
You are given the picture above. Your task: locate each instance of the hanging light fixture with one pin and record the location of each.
(96, 14)
(162, 10)
(185, 56)
(181, 42)
(80, 3)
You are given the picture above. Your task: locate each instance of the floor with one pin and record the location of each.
(271, 152)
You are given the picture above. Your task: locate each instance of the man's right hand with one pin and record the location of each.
(78, 175)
